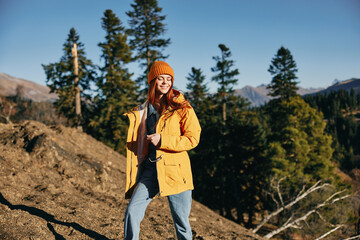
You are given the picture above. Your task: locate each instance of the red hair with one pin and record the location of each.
(166, 101)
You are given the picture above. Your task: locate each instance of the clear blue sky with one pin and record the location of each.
(322, 35)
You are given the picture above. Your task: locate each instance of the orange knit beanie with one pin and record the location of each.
(158, 68)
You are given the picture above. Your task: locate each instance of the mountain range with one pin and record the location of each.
(257, 96)
(353, 83)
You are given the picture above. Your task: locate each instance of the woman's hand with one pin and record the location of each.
(154, 138)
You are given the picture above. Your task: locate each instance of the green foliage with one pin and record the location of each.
(60, 78)
(335, 103)
(341, 110)
(247, 168)
(301, 152)
(230, 170)
(146, 29)
(226, 164)
(198, 94)
(299, 146)
(283, 69)
(117, 92)
(226, 76)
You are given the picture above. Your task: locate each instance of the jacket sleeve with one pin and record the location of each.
(190, 138)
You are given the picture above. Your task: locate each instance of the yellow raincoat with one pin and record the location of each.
(180, 131)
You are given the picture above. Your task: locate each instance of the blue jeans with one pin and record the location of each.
(147, 188)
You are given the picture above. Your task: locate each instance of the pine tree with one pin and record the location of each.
(60, 79)
(283, 69)
(198, 94)
(244, 179)
(146, 29)
(352, 102)
(226, 168)
(300, 152)
(226, 171)
(299, 145)
(338, 107)
(225, 77)
(118, 93)
(198, 89)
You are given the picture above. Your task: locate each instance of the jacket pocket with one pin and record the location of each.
(170, 159)
(173, 169)
(172, 174)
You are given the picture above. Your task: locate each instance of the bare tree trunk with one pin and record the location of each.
(77, 88)
(224, 111)
(357, 224)
(148, 61)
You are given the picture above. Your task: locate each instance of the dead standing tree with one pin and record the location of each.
(297, 222)
(77, 88)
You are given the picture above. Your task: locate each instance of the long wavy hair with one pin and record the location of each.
(168, 101)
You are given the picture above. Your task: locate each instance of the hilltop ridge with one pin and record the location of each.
(29, 89)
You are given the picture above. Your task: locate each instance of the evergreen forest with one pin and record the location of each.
(276, 169)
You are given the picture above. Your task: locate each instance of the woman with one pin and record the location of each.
(161, 131)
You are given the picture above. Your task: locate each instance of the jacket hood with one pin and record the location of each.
(179, 97)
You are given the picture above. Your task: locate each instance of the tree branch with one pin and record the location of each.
(296, 222)
(297, 199)
(329, 232)
(324, 220)
(279, 192)
(354, 237)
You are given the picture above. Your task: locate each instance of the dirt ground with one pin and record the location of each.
(59, 183)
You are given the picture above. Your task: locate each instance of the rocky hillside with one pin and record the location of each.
(28, 89)
(58, 183)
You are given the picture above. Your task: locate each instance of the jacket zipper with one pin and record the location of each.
(162, 128)
(171, 111)
(132, 142)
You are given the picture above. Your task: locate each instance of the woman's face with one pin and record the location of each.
(163, 84)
